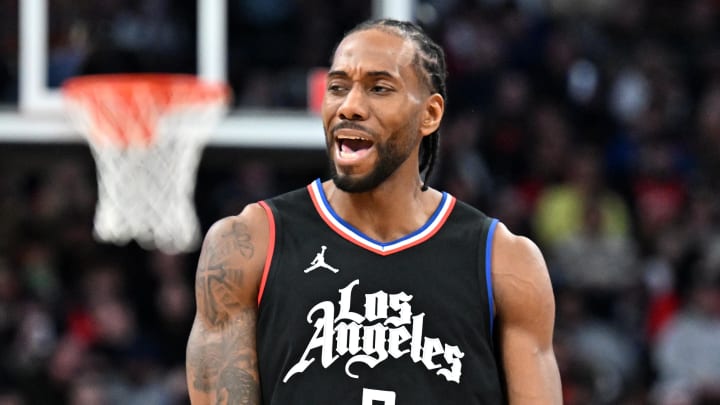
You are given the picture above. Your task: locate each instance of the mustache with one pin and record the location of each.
(351, 125)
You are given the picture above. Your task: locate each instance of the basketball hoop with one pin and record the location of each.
(146, 133)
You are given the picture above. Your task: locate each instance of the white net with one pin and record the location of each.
(146, 189)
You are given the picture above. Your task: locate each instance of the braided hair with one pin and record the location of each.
(429, 64)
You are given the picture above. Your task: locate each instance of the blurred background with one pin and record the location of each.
(591, 126)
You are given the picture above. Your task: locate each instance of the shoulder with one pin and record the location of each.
(252, 224)
(521, 283)
(246, 232)
(235, 248)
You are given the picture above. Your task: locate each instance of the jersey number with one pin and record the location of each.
(372, 397)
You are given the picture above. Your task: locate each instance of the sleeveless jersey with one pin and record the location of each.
(345, 319)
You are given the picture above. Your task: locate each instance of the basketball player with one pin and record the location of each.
(413, 297)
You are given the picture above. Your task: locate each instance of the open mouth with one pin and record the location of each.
(353, 147)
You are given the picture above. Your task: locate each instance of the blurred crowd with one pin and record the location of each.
(591, 126)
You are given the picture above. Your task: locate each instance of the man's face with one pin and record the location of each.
(372, 109)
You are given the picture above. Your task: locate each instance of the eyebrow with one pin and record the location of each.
(373, 73)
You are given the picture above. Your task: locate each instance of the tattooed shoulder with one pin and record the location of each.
(220, 283)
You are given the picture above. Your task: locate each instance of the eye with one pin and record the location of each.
(380, 89)
(335, 88)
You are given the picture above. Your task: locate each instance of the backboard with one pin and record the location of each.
(215, 57)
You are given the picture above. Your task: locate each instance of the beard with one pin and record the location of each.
(391, 154)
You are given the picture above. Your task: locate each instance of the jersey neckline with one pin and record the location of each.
(352, 234)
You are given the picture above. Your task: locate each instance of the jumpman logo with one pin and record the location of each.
(319, 261)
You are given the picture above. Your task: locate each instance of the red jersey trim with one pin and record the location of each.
(270, 250)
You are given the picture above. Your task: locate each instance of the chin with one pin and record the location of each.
(354, 184)
(361, 183)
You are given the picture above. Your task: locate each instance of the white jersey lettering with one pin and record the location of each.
(386, 328)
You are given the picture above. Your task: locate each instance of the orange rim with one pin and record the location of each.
(125, 108)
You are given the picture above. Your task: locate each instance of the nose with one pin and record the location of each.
(354, 105)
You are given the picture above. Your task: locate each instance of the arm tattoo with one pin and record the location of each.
(239, 238)
(216, 281)
(228, 366)
(224, 358)
(237, 386)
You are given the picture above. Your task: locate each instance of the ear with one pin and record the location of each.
(432, 115)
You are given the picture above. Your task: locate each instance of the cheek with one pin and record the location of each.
(407, 129)
(328, 107)
(326, 117)
(325, 112)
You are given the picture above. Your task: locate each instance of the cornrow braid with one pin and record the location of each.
(429, 64)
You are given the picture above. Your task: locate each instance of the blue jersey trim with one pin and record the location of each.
(488, 272)
(369, 239)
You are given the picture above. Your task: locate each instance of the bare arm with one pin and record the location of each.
(221, 352)
(526, 316)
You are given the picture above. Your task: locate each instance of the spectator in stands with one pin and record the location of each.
(602, 265)
(687, 353)
(561, 209)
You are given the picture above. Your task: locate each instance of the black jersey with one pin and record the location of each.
(345, 319)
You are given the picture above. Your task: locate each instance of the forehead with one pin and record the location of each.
(374, 49)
